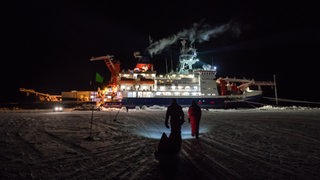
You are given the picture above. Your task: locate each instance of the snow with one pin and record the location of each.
(263, 143)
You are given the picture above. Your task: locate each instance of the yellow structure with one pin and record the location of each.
(42, 96)
(77, 95)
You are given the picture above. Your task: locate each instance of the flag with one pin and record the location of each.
(99, 78)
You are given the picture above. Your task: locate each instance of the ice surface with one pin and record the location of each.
(263, 143)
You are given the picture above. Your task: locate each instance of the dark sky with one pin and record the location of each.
(49, 43)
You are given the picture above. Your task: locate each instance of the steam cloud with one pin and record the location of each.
(197, 33)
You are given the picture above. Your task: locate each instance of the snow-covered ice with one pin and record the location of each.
(263, 143)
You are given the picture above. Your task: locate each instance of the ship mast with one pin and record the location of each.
(188, 57)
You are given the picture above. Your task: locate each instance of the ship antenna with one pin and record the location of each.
(171, 62)
(212, 61)
(275, 88)
(166, 65)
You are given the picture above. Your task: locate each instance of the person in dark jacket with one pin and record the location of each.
(176, 115)
(169, 147)
(194, 116)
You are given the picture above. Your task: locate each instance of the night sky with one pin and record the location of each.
(48, 44)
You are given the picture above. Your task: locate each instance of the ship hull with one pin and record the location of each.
(219, 102)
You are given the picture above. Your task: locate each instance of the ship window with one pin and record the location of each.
(168, 93)
(129, 94)
(149, 94)
(185, 94)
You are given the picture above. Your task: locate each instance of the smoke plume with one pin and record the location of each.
(197, 33)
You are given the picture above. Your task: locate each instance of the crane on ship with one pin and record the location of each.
(236, 85)
(42, 96)
(114, 68)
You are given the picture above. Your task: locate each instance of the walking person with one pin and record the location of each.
(169, 146)
(194, 116)
(176, 116)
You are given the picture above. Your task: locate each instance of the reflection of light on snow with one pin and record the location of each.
(154, 133)
(266, 107)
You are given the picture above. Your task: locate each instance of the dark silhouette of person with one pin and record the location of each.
(176, 116)
(169, 147)
(168, 155)
(194, 116)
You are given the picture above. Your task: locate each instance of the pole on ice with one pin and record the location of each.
(90, 136)
(115, 118)
(91, 122)
(122, 105)
(275, 88)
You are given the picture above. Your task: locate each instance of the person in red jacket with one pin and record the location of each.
(194, 116)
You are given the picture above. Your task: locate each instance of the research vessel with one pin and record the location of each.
(192, 80)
